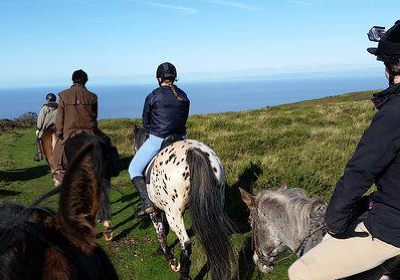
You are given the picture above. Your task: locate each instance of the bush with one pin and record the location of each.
(24, 121)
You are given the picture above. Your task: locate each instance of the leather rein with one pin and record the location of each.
(299, 250)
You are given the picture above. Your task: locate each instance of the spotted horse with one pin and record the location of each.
(189, 175)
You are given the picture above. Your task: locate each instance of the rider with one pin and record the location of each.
(165, 112)
(347, 251)
(77, 113)
(47, 118)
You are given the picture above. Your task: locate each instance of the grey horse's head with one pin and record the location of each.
(279, 220)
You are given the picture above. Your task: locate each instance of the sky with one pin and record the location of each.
(44, 41)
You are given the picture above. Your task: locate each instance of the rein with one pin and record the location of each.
(299, 249)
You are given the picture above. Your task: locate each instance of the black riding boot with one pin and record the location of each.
(39, 155)
(148, 206)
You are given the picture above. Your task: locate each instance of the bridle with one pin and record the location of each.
(299, 250)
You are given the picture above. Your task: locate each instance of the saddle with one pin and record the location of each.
(168, 141)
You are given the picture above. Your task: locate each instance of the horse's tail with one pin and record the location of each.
(209, 222)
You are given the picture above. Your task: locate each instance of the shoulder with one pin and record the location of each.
(391, 109)
(90, 94)
(63, 93)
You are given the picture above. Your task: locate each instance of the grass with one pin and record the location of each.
(306, 144)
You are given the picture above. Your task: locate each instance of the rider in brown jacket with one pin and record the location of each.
(77, 113)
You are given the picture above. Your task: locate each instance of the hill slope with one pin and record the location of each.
(305, 144)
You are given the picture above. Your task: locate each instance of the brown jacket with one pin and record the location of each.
(77, 112)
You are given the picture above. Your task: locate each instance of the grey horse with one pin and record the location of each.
(288, 218)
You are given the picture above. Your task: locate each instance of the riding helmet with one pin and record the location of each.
(51, 97)
(388, 49)
(80, 77)
(166, 71)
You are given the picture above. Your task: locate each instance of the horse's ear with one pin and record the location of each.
(248, 198)
(136, 127)
(284, 186)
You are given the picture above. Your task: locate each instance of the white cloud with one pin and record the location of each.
(185, 10)
(233, 4)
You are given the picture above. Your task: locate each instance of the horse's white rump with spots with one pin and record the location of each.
(170, 177)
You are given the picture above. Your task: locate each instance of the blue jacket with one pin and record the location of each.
(164, 114)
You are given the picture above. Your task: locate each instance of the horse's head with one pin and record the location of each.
(282, 219)
(139, 136)
(266, 242)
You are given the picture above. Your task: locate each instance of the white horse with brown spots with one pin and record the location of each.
(188, 175)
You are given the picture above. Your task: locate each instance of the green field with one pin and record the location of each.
(305, 144)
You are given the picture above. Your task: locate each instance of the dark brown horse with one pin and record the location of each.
(36, 243)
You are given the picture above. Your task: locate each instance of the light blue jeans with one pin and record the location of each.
(145, 154)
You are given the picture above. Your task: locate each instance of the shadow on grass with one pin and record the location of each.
(142, 224)
(246, 265)
(25, 174)
(236, 209)
(7, 193)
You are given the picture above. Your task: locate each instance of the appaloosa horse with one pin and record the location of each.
(288, 218)
(188, 175)
(36, 243)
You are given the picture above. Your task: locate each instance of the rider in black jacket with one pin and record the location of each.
(375, 161)
(165, 113)
(348, 251)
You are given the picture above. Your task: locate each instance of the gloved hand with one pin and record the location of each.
(37, 132)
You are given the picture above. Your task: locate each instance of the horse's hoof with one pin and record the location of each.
(174, 265)
(109, 235)
(186, 278)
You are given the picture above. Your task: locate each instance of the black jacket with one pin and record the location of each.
(375, 161)
(164, 114)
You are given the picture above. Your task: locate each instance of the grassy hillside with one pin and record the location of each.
(305, 144)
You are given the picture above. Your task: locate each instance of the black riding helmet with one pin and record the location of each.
(388, 49)
(51, 97)
(166, 71)
(80, 77)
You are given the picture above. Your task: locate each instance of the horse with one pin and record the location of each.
(37, 243)
(288, 218)
(47, 142)
(189, 175)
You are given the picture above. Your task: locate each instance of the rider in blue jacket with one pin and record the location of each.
(165, 113)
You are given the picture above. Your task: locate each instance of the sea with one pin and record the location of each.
(126, 101)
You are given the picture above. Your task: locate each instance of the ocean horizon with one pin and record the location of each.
(126, 101)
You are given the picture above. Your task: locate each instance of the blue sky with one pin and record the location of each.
(43, 41)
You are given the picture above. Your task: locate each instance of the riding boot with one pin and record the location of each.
(39, 155)
(147, 205)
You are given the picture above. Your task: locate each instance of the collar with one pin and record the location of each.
(381, 98)
(77, 85)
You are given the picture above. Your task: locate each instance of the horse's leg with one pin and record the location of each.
(178, 226)
(106, 213)
(162, 233)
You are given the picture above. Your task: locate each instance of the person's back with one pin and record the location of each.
(78, 111)
(166, 111)
(46, 118)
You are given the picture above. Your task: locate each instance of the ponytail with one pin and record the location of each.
(172, 87)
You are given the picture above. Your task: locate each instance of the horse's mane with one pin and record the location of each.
(300, 209)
